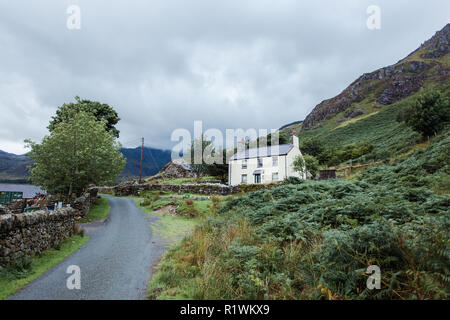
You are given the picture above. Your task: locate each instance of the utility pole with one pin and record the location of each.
(142, 154)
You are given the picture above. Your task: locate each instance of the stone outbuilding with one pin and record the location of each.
(177, 169)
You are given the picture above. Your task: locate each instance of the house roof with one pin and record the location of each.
(270, 151)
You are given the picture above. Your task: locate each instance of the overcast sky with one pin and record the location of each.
(163, 64)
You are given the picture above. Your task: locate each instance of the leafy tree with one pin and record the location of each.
(429, 114)
(208, 165)
(312, 146)
(101, 111)
(78, 151)
(283, 138)
(307, 163)
(199, 166)
(219, 170)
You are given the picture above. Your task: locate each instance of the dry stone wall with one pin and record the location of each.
(206, 189)
(28, 234)
(83, 204)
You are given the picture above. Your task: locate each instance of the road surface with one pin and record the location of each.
(115, 263)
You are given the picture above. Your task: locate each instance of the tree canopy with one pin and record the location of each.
(213, 162)
(101, 111)
(312, 146)
(306, 163)
(79, 151)
(429, 114)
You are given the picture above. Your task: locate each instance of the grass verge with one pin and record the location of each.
(97, 212)
(10, 283)
(171, 279)
(171, 228)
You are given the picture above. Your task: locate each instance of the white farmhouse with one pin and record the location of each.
(265, 164)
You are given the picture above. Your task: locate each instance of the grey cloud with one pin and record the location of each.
(164, 64)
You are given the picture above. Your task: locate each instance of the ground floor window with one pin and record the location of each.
(257, 178)
(244, 178)
(275, 176)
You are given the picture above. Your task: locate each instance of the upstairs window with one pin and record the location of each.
(260, 162)
(275, 161)
(244, 164)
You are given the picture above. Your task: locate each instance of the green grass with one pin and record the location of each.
(179, 181)
(130, 197)
(345, 123)
(170, 270)
(173, 270)
(97, 212)
(40, 264)
(172, 228)
(169, 227)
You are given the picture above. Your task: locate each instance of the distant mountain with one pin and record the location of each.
(291, 124)
(153, 161)
(13, 168)
(428, 65)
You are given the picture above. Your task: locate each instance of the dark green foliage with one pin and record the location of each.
(316, 239)
(306, 163)
(20, 268)
(334, 156)
(101, 111)
(293, 180)
(312, 146)
(429, 114)
(387, 136)
(283, 138)
(211, 162)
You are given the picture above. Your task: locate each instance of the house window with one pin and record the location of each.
(275, 176)
(244, 178)
(275, 161)
(244, 164)
(260, 162)
(258, 178)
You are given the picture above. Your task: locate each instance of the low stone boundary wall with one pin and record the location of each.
(28, 234)
(83, 204)
(206, 189)
(16, 206)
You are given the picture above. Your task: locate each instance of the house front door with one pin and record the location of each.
(257, 178)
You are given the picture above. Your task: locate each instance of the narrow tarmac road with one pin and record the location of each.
(115, 263)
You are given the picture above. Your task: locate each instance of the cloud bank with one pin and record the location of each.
(164, 64)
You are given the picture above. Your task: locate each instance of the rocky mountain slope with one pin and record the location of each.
(429, 64)
(154, 160)
(13, 167)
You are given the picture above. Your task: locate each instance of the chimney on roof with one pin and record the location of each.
(294, 140)
(241, 145)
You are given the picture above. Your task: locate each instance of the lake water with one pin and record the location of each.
(29, 191)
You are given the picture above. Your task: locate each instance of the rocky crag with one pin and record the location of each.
(427, 64)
